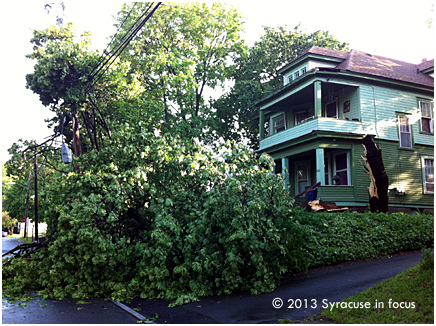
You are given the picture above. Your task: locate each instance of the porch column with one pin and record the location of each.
(317, 99)
(285, 170)
(261, 125)
(320, 168)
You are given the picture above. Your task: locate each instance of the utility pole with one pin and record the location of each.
(36, 196)
(27, 205)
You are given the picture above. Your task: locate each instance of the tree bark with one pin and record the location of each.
(378, 189)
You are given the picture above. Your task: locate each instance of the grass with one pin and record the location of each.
(414, 289)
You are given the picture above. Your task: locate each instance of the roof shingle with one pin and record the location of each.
(365, 63)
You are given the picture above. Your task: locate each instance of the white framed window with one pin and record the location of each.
(278, 123)
(341, 169)
(426, 116)
(331, 110)
(302, 175)
(428, 174)
(405, 131)
(294, 75)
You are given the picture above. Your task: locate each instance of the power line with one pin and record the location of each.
(113, 37)
(121, 48)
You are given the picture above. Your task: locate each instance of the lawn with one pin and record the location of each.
(405, 298)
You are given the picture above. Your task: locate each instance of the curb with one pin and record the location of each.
(132, 312)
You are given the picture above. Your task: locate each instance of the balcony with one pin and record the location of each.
(316, 124)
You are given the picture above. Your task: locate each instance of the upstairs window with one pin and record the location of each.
(278, 123)
(426, 117)
(300, 117)
(405, 132)
(331, 110)
(295, 74)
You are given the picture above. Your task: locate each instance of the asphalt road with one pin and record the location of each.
(9, 244)
(331, 284)
(314, 290)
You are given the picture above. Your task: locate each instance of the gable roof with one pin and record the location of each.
(374, 65)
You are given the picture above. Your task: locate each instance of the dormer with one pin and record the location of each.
(315, 57)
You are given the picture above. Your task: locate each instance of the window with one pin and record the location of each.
(326, 171)
(428, 165)
(278, 123)
(294, 75)
(303, 180)
(426, 117)
(341, 169)
(331, 110)
(405, 132)
(300, 117)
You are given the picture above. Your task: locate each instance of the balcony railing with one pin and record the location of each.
(320, 124)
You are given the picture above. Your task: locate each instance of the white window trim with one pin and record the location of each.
(292, 75)
(334, 171)
(402, 132)
(431, 116)
(424, 183)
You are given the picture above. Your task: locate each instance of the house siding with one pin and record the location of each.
(404, 169)
(380, 107)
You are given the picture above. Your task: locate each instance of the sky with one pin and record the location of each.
(392, 28)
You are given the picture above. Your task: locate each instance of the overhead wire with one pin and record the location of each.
(105, 52)
(124, 44)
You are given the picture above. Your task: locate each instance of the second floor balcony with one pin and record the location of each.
(313, 124)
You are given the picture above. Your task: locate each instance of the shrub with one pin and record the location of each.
(427, 259)
(335, 238)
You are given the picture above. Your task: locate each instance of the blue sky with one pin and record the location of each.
(394, 29)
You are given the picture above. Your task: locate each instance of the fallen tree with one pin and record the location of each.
(158, 217)
(374, 167)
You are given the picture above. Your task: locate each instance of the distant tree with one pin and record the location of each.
(8, 222)
(255, 76)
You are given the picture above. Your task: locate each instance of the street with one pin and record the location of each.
(297, 298)
(9, 244)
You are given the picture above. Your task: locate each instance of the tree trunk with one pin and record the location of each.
(378, 189)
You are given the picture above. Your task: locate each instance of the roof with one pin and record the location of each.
(369, 64)
(426, 64)
(320, 51)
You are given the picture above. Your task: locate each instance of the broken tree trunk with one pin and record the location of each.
(378, 189)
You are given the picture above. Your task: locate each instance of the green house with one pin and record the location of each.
(314, 124)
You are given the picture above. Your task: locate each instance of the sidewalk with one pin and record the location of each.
(328, 283)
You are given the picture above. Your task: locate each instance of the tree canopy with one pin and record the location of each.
(185, 49)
